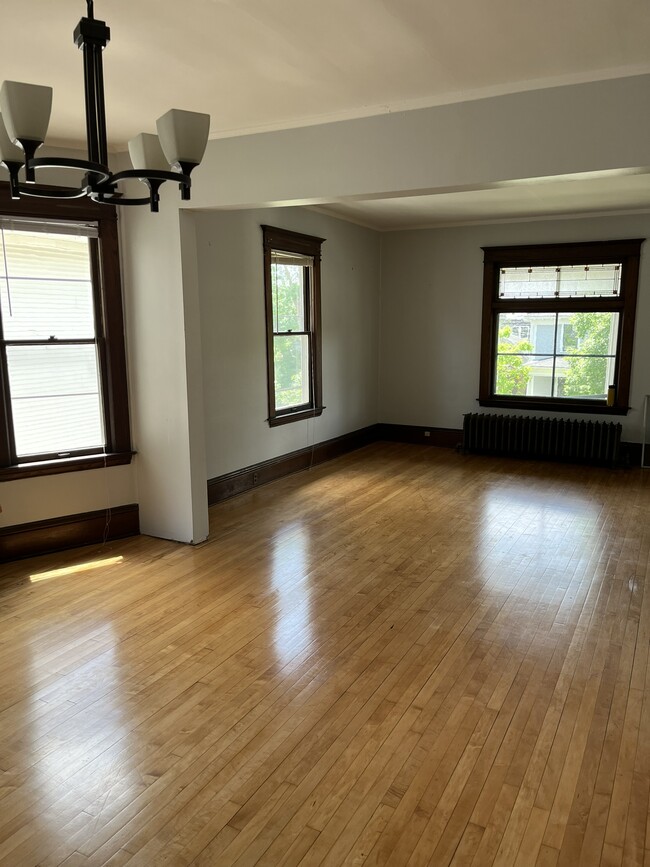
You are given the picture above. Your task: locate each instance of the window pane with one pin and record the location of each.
(588, 367)
(37, 310)
(288, 286)
(527, 332)
(518, 374)
(577, 376)
(592, 334)
(55, 398)
(528, 282)
(292, 374)
(566, 281)
(48, 290)
(45, 256)
(590, 281)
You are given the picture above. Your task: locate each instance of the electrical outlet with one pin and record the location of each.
(256, 478)
(427, 433)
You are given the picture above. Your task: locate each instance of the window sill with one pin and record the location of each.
(295, 416)
(554, 405)
(63, 465)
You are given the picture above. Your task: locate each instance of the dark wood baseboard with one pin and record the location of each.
(443, 437)
(231, 484)
(226, 486)
(69, 531)
(239, 481)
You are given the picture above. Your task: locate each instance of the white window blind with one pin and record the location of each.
(49, 337)
(280, 258)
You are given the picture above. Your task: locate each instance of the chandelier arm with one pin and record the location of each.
(30, 146)
(14, 184)
(106, 194)
(37, 192)
(100, 173)
(152, 175)
(119, 199)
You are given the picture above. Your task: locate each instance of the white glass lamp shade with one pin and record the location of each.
(9, 152)
(146, 153)
(183, 135)
(25, 110)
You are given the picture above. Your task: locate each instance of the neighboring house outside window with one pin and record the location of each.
(292, 291)
(63, 390)
(558, 326)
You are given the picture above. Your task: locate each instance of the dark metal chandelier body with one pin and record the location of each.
(171, 156)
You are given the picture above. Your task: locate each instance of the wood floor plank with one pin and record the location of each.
(406, 656)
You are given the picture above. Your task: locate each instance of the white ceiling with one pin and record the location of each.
(258, 65)
(586, 195)
(270, 64)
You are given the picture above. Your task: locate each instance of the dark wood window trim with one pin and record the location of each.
(307, 245)
(110, 339)
(626, 252)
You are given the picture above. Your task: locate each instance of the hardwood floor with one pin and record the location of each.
(402, 657)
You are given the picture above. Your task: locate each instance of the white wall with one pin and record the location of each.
(431, 302)
(45, 497)
(233, 326)
(162, 331)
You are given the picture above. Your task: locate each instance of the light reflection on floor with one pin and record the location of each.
(89, 699)
(515, 525)
(290, 561)
(76, 568)
(68, 686)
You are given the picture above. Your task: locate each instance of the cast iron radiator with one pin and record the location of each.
(551, 438)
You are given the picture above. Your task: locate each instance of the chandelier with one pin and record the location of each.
(25, 114)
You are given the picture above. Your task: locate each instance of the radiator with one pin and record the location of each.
(551, 438)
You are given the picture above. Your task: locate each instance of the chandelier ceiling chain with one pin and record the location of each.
(24, 117)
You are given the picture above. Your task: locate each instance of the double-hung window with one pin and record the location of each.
(63, 386)
(558, 326)
(292, 287)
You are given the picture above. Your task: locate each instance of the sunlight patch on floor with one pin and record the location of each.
(76, 568)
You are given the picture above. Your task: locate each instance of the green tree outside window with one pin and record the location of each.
(587, 376)
(513, 374)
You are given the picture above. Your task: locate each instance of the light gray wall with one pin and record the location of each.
(431, 301)
(233, 334)
(596, 126)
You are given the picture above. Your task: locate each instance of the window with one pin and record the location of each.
(292, 288)
(558, 326)
(63, 393)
